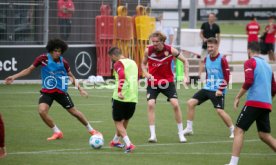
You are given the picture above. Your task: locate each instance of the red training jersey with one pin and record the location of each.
(159, 65)
(68, 4)
(270, 36)
(252, 30)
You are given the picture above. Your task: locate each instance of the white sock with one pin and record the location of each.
(127, 141)
(231, 128)
(190, 124)
(89, 127)
(234, 160)
(180, 127)
(116, 138)
(152, 131)
(56, 129)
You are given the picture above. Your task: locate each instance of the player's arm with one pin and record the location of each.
(144, 65)
(119, 68)
(76, 84)
(249, 67)
(273, 86)
(23, 73)
(218, 37)
(202, 36)
(226, 74)
(180, 56)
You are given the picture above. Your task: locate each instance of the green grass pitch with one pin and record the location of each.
(27, 145)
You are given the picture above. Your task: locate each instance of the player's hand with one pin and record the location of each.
(236, 103)
(186, 80)
(219, 93)
(9, 80)
(120, 95)
(149, 76)
(83, 93)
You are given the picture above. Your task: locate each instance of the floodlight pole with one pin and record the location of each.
(193, 14)
(46, 22)
(179, 23)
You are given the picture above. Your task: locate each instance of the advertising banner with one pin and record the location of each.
(82, 61)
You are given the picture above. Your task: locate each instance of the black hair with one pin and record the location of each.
(56, 43)
(254, 46)
(115, 51)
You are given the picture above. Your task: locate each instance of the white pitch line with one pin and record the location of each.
(67, 151)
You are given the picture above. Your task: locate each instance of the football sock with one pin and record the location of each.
(180, 127)
(89, 128)
(189, 124)
(232, 128)
(116, 138)
(56, 129)
(234, 160)
(152, 131)
(127, 141)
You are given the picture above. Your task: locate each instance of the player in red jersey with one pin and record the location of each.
(156, 66)
(3, 151)
(269, 41)
(252, 30)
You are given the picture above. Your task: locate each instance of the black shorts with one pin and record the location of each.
(62, 98)
(167, 89)
(270, 47)
(122, 110)
(204, 95)
(250, 114)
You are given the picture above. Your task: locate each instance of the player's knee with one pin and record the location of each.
(263, 136)
(151, 104)
(191, 103)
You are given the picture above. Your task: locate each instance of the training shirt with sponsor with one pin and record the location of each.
(260, 83)
(43, 61)
(217, 73)
(159, 65)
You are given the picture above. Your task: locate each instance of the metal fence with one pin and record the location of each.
(32, 22)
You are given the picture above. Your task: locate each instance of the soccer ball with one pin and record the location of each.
(96, 141)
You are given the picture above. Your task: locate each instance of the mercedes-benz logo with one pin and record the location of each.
(83, 63)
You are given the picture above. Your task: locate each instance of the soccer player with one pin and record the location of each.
(55, 72)
(3, 151)
(217, 79)
(125, 96)
(156, 66)
(269, 41)
(252, 30)
(261, 87)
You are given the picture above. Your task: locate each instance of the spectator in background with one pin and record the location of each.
(66, 9)
(269, 40)
(208, 29)
(167, 30)
(3, 151)
(252, 30)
